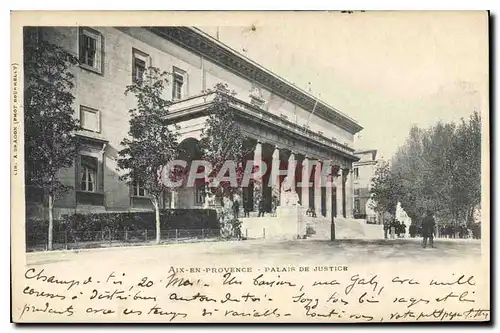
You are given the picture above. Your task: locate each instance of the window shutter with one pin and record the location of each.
(100, 175)
(77, 173)
(173, 89)
(81, 45)
(100, 54)
(134, 70)
(163, 199)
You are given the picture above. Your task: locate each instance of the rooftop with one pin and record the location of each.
(203, 44)
(367, 151)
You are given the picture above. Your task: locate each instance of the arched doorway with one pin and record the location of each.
(189, 195)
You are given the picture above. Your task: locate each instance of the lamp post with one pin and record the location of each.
(332, 229)
(334, 174)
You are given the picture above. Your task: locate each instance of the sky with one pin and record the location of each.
(387, 70)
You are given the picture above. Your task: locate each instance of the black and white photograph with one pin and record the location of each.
(267, 167)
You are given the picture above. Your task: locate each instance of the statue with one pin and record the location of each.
(288, 195)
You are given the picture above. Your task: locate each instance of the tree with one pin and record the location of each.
(152, 141)
(384, 190)
(223, 141)
(466, 189)
(438, 168)
(49, 122)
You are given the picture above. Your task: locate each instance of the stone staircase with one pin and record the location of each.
(268, 227)
(318, 228)
(345, 228)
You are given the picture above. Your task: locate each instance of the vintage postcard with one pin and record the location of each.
(226, 167)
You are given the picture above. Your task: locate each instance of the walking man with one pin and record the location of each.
(386, 229)
(393, 229)
(246, 209)
(428, 225)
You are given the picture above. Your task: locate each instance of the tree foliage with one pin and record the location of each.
(438, 168)
(50, 125)
(222, 140)
(152, 141)
(384, 192)
(49, 117)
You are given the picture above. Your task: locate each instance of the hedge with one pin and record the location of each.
(169, 219)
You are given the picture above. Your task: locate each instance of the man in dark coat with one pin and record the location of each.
(246, 208)
(386, 229)
(236, 208)
(262, 207)
(397, 226)
(413, 230)
(428, 224)
(392, 230)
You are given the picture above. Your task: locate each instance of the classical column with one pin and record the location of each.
(291, 167)
(347, 193)
(275, 178)
(339, 184)
(257, 185)
(328, 186)
(257, 155)
(317, 188)
(305, 183)
(173, 199)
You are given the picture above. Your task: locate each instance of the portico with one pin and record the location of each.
(281, 143)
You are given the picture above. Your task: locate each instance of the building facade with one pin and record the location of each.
(363, 172)
(275, 116)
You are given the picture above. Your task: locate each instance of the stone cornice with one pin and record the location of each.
(208, 47)
(91, 139)
(361, 163)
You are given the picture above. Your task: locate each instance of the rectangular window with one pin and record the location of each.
(90, 46)
(356, 191)
(88, 174)
(90, 119)
(138, 190)
(140, 63)
(178, 84)
(139, 69)
(356, 173)
(199, 196)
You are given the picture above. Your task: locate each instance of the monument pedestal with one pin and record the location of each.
(290, 222)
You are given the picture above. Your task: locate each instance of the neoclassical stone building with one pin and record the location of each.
(280, 120)
(363, 172)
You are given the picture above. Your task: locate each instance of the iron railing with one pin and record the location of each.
(107, 238)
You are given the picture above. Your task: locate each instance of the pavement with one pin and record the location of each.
(255, 252)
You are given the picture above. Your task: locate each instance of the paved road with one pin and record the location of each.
(263, 252)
